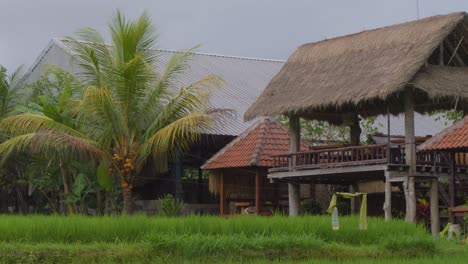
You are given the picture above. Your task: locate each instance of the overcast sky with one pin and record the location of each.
(249, 28)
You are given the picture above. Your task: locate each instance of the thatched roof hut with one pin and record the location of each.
(368, 71)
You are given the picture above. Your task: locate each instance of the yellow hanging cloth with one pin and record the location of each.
(362, 211)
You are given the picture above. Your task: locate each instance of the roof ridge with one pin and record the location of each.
(60, 40)
(231, 144)
(384, 27)
(259, 144)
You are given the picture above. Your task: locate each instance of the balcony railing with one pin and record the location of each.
(353, 156)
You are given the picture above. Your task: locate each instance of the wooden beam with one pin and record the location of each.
(258, 191)
(410, 154)
(313, 173)
(457, 56)
(294, 146)
(441, 53)
(434, 200)
(221, 194)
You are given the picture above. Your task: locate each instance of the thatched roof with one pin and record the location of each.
(364, 72)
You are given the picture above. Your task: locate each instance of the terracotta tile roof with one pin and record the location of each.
(453, 137)
(254, 147)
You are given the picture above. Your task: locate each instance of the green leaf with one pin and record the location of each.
(51, 112)
(80, 184)
(104, 178)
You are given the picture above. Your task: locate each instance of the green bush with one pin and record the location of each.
(310, 207)
(170, 207)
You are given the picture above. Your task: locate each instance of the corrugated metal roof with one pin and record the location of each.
(244, 80)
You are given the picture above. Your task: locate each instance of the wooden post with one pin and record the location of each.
(354, 208)
(257, 191)
(221, 194)
(451, 180)
(410, 154)
(355, 131)
(435, 207)
(200, 186)
(294, 144)
(178, 171)
(388, 197)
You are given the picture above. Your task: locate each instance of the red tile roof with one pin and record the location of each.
(453, 137)
(254, 147)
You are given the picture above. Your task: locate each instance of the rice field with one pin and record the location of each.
(32, 239)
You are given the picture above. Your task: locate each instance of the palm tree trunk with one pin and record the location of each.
(127, 199)
(66, 187)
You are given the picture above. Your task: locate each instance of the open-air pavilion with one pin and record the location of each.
(418, 66)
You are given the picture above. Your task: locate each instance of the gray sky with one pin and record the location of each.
(250, 28)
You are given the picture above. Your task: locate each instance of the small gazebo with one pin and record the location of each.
(418, 66)
(452, 144)
(238, 172)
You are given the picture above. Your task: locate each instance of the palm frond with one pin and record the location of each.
(32, 123)
(178, 135)
(52, 143)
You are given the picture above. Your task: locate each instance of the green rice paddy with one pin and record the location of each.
(141, 239)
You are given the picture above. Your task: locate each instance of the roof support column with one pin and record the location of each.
(258, 183)
(355, 131)
(294, 143)
(388, 197)
(221, 194)
(435, 225)
(410, 154)
(451, 180)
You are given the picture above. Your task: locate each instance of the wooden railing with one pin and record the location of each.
(335, 157)
(356, 155)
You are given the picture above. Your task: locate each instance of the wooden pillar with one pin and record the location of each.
(294, 144)
(200, 186)
(258, 183)
(221, 194)
(354, 204)
(178, 170)
(451, 183)
(355, 131)
(410, 154)
(435, 224)
(388, 197)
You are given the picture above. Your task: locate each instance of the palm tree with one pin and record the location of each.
(128, 113)
(11, 89)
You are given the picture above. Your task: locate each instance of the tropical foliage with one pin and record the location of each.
(118, 113)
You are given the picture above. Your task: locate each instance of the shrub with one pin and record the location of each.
(310, 207)
(171, 207)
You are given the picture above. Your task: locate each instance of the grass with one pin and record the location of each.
(31, 239)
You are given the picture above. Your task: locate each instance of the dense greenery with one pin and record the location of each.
(113, 117)
(201, 237)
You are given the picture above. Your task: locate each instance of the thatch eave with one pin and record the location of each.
(364, 73)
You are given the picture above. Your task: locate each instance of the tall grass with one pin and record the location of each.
(36, 238)
(59, 229)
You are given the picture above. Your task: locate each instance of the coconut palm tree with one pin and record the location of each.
(11, 89)
(128, 113)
